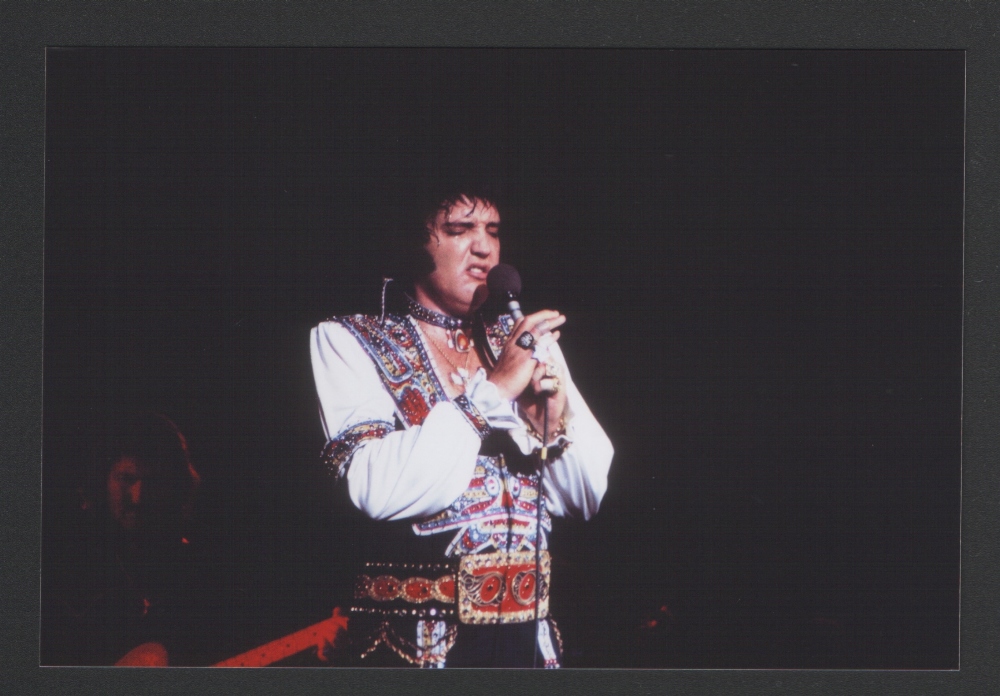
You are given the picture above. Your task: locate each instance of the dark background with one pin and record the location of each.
(760, 254)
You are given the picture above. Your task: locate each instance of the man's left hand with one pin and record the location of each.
(534, 399)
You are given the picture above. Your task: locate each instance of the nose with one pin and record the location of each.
(480, 242)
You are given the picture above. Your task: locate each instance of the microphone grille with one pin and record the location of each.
(503, 279)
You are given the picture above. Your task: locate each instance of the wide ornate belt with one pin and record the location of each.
(491, 588)
(413, 590)
(501, 587)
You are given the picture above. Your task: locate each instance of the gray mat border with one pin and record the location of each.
(26, 28)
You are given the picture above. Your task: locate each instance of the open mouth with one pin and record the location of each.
(478, 271)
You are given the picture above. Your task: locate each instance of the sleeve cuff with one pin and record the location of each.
(338, 451)
(485, 397)
(473, 415)
(563, 440)
(528, 441)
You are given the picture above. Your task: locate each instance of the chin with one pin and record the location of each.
(461, 306)
(462, 310)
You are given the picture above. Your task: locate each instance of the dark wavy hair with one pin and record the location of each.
(408, 260)
(155, 442)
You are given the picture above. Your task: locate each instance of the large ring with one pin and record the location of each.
(549, 384)
(525, 340)
(550, 370)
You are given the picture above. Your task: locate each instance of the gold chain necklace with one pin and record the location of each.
(460, 376)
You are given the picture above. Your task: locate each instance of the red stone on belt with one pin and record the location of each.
(415, 590)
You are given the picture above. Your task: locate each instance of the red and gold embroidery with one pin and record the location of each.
(339, 450)
(472, 414)
(500, 587)
(497, 511)
(415, 590)
(405, 368)
(403, 364)
(498, 333)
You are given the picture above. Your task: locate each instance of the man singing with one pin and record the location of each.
(434, 418)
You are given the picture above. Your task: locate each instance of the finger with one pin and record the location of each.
(526, 323)
(549, 316)
(540, 352)
(548, 325)
(537, 324)
(557, 322)
(535, 317)
(532, 321)
(529, 321)
(517, 332)
(539, 340)
(518, 326)
(538, 373)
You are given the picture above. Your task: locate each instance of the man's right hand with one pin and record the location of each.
(515, 366)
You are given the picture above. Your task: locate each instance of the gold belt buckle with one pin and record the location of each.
(499, 588)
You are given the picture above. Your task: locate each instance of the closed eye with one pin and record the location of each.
(456, 229)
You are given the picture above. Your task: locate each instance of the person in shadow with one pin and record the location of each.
(119, 577)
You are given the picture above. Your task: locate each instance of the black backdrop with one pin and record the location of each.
(760, 254)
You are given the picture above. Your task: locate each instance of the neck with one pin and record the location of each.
(435, 305)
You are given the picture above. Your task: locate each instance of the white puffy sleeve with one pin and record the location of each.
(576, 481)
(396, 474)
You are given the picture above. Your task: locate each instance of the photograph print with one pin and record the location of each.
(521, 358)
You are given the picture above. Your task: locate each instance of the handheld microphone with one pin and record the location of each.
(504, 283)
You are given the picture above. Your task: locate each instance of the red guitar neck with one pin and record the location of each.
(315, 636)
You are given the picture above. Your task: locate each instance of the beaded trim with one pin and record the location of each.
(429, 637)
(407, 370)
(433, 567)
(498, 333)
(388, 581)
(472, 414)
(422, 656)
(555, 629)
(501, 587)
(422, 613)
(560, 432)
(413, 590)
(429, 316)
(404, 365)
(497, 511)
(338, 451)
(545, 646)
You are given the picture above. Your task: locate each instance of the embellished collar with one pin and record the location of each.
(429, 316)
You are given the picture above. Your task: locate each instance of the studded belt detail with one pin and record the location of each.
(500, 587)
(415, 590)
(489, 588)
